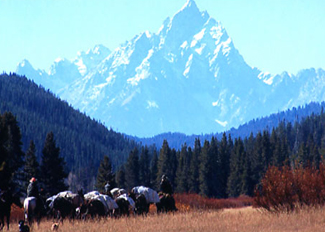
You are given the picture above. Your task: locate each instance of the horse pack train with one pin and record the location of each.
(114, 203)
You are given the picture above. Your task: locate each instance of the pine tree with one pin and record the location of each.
(164, 161)
(182, 173)
(52, 168)
(224, 154)
(120, 177)
(144, 166)
(31, 168)
(105, 175)
(235, 180)
(154, 171)
(204, 170)
(194, 168)
(11, 156)
(132, 169)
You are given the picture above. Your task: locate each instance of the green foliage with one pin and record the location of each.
(11, 154)
(52, 168)
(144, 167)
(105, 175)
(81, 139)
(132, 169)
(31, 168)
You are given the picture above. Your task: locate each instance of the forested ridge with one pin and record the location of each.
(296, 114)
(83, 141)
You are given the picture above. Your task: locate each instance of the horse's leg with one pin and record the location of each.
(2, 222)
(8, 219)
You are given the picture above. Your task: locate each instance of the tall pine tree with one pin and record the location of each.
(132, 169)
(31, 168)
(105, 175)
(52, 168)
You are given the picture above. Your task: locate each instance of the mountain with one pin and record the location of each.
(188, 77)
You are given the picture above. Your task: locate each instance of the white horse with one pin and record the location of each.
(31, 210)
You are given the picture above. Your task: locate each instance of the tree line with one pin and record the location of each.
(226, 167)
(216, 168)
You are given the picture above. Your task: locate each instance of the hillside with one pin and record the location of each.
(176, 140)
(83, 141)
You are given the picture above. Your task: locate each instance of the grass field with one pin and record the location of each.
(188, 219)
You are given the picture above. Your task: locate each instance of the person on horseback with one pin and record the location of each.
(165, 185)
(32, 191)
(107, 188)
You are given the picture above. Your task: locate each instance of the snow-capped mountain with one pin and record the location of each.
(188, 77)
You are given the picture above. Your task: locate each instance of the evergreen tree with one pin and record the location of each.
(105, 175)
(11, 156)
(223, 173)
(132, 169)
(182, 173)
(215, 170)
(52, 167)
(31, 168)
(235, 179)
(154, 170)
(120, 177)
(164, 161)
(144, 166)
(194, 168)
(204, 169)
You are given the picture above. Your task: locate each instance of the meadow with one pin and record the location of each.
(203, 217)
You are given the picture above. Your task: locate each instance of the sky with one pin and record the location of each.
(272, 35)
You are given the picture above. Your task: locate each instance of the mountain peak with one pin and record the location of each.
(189, 4)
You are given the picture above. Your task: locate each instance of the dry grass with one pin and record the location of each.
(241, 219)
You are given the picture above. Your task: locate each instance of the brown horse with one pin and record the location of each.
(6, 200)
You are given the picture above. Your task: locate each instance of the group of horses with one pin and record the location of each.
(115, 203)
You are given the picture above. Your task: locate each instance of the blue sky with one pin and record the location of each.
(273, 35)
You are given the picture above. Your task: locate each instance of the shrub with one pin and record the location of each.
(285, 188)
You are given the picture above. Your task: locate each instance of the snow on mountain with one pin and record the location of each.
(188, 77)
(63, 71)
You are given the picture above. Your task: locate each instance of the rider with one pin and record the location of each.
(32, 191)
(165, 185)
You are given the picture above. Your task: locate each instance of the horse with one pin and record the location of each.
(63, 207)
(141, 205)
(6, 200)
(123, 207)
(166, 204)
(33, 210)
(93, 207)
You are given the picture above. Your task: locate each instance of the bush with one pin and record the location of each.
(285, 189)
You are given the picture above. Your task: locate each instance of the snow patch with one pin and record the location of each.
(188, 65)
(200, 49)
(152, 104)
(224, 123)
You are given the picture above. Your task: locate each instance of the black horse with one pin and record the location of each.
(94, 208)
(62, 208)
(123, 207)
(141, 205)
(166, 204)
(6, 200)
